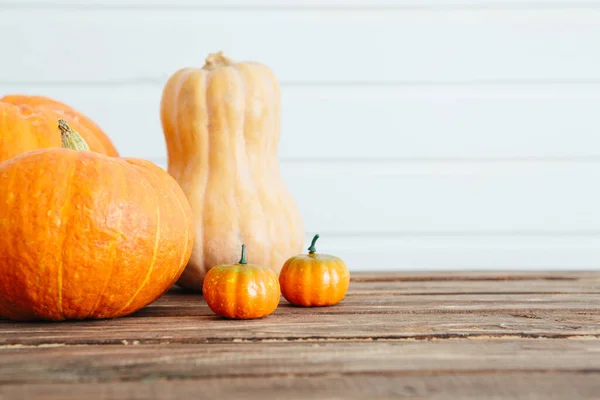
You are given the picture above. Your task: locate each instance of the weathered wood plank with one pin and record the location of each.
(377, 306)
(454, 275)
(548, 313)
(76, 364)
(480, 385)
(511, 385)
(400, 302)
(369, 287)
(382, 341)
(517, 322)
(371, 302)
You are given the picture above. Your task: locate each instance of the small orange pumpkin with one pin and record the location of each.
(29, 123)
(314, 279)
(84, 235)
(241, 291)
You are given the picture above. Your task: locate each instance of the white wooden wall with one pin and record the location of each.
(417, 134)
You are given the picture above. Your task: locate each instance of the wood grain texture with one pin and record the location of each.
(513, 322)
(378, 306)
(495, 386)
(403, 334)
(266, 359)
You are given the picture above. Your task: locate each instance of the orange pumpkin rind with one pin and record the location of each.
(314, 280)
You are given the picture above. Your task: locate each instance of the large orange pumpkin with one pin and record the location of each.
(84, 235)
(222, 127)
(29, 123)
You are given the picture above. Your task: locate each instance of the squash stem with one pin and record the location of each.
(312, 248)
(243, 259)
(215, 60)
(70, 138)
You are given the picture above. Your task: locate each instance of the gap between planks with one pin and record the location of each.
(308, 339)
(353, 374)
(316, 340)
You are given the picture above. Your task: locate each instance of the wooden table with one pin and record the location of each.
(413, 335)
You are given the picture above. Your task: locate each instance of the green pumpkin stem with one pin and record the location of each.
(312, 248)
(70, 138)
(243, 259)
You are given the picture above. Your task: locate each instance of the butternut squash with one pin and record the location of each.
(221, 124)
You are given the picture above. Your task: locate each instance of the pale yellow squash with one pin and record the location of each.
(222, 126)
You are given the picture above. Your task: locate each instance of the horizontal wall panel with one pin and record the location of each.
(529, 216)
(370, 46)
(444, 198)
(337, 4)
(368, 123)
(464, 199)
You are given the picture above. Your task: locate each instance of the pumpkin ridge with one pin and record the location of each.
(240, 194)
(180, 139)
(169, 117)
(203, 231)
(208, 170)
(64, 232)
(273, 163)
(217, 114)
(154, 251)
(187, 235)
(270, 179)
(313, 280)
(262, 207)
(183, 211)
(242, 299)
(233, 306)
(12, 235)
(175, 120)
(11, 179)
(112, 259)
